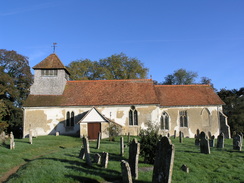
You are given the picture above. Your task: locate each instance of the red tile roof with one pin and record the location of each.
(99, 92)
(51, 62)
(185, 95)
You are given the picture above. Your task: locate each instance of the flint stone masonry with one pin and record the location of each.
(87, 151)
(220, 140)
(164, 160)
(134, 151)
(126, 172)
(204, 144)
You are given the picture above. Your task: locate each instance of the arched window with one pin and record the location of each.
(183, 119)
(133, 116)
(72, 119)
(68, 118)
(165, 121)
(205, 117)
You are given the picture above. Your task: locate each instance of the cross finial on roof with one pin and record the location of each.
(54, 47)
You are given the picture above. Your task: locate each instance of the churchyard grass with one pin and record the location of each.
(55, 159)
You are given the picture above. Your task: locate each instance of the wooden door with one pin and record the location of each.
(93, 130)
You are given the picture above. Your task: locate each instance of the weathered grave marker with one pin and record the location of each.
(98, 140)
(57, 134)
(220, 140)
(122, 146)
(164, 160)
(212, 141)
(197, 140)
(3, 138)
(185, 168)
(97, 158)
(12, 143)
(30, 136)
(87, 150)
(134, 151)
(237, 142)
(126, 172)
(104, 159)
(82, 153)
(181, 136)
(204, 144)
(128, 138)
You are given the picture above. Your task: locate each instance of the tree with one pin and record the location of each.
(180, 77)
(15, 80)
(234, 108)
(117, 66)
(122, 67)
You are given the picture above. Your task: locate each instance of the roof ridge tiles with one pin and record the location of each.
(182, 85)
(115, 80)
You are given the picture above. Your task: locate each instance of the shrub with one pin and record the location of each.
(114, 130)
(148, 139)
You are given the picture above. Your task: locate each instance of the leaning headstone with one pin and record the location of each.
(30, 136)
(82, 153)
(220, 140)
(185, 168)
(104, 159)
(212, 141)
(98, 140)
(122, 146)
(204, 144)
(164, 160)
(126, 173)
(237, 142)
(12, 143)
(181, 136)
(134, 151)
(197, 140)
(97, 158)
(87, 151)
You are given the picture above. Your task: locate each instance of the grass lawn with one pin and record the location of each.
(55, 159)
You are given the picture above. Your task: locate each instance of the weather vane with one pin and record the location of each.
(54, 47)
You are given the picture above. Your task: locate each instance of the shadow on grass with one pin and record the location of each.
(82, 179)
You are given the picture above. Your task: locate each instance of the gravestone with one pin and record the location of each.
(168, 135)
(237, 142)
(12, 143)
(3, 138)
(82, 153)
(181, 136)
(185, 168)
(126, 172)
(164, 160)
(30, 136)
(128, 138)
(104, 159)
(57, 134)
(134, 151)
(204, 144)
(220, 140)
(212, 141)
(97, 158)
(174, 134)
(98, 140)
(198, 133)
(197, 140)
(122, 146)
(87, 150)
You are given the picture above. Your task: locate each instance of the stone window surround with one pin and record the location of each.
(133, 116)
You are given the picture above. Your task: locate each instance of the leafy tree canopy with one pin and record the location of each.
(117, 66)
(234, 108)
(180, 77)
(15, 80)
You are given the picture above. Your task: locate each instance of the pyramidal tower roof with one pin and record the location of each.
(51, 62)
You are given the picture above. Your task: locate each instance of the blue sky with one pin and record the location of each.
(206, 37)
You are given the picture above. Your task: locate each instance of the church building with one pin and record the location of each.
(87, 107)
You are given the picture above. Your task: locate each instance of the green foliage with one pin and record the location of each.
(148, 139)
(15, 80)
(113, 130)
(117, 66)
(234, 108)
(180, 77)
